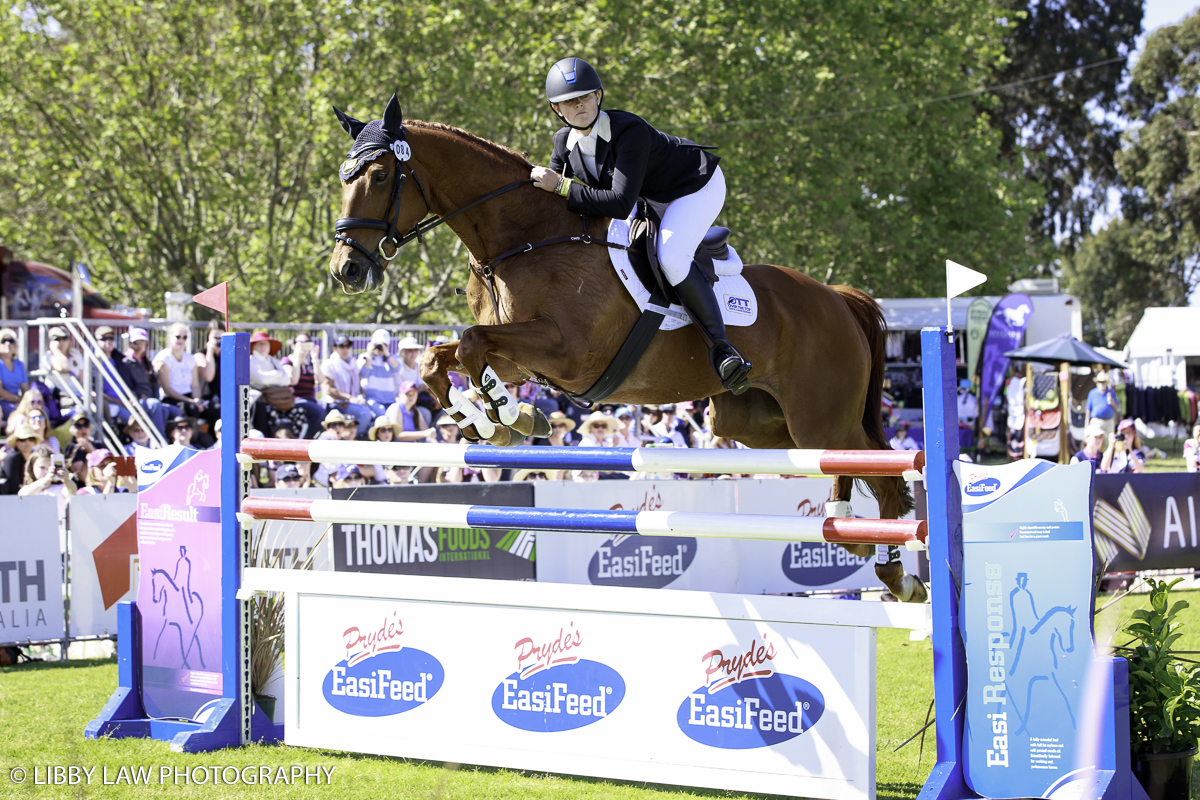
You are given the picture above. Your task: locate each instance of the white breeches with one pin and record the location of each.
(684, 224)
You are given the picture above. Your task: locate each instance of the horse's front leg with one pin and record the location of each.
(519, 350)
(436, 365)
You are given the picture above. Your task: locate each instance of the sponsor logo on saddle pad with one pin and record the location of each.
(647, 562)
(819, 563)
(554, 689)
(744, 703)
(982, 487)
(739, 305)
(378, 676)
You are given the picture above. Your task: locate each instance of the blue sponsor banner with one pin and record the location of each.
(561, 698)
(759, 712)
(384, 684)
(1005, 329)
(1026, 620)
(646, 562)
(819, 564)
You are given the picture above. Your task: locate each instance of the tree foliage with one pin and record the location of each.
(1151, 257)
(174, 145)
(1062, 132)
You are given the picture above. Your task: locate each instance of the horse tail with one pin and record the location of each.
(870, 319)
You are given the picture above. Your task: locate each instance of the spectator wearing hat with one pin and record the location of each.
(118, 367)
(180, 431)
(412, 419)
(136, 437)
(1093, 445)
(561, 427)
(968, 406)
(82, 445)
(337, 427)
(341, 385)
(12, 471)
(102, 474)
(599, 430)
(386, 429)
(37, 418)
(902, 441)
(378, 372)
(178, 373)
(1102, 404)
(1124, 452)
(407, 369)
(348, 476)
(287, 476)
(625, 436)
(140, 363)
(277, 403)
(670, 425)
(14, 381)
(61, 356)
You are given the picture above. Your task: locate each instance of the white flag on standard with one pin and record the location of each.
(961, 279)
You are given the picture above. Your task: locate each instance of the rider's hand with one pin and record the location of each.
(544, 178)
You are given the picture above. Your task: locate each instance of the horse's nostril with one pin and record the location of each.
(352, 273)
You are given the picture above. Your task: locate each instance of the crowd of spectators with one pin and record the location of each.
(296, 392)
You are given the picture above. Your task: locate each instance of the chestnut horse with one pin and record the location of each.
(818, 351)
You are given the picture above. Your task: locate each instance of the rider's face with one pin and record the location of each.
(580, 111)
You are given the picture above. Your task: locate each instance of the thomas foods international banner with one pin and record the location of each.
(31, 580)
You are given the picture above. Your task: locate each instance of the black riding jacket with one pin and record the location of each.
(638, 161)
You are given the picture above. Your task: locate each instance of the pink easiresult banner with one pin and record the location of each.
(179, 597)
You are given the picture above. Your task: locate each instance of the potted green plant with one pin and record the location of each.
(267, 617)
(1164, 697)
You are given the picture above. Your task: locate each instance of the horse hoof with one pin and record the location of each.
(505, 437)
(527, 420)
(919, 593)
(541, 425)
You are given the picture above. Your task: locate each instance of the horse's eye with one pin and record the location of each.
(380, 176)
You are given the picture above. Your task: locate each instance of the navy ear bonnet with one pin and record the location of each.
(373, 139)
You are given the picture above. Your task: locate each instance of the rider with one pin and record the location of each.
(604, 161)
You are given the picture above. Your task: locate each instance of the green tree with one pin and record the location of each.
(1062, 133)
(1151, 257)
(173, 145)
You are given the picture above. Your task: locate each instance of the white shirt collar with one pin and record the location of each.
(600, 129)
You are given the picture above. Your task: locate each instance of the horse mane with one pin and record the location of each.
(511, 157)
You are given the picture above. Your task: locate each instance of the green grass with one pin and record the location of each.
(45, 706)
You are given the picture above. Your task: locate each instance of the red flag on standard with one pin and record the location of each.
(216, 298)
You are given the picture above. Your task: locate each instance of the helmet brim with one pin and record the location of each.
(562, 98)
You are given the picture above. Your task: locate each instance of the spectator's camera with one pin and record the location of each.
(1120, 437)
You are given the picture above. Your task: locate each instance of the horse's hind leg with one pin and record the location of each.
(893, 503)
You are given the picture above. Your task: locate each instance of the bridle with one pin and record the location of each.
(392, 215)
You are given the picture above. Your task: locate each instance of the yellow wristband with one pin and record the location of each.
(564, 187)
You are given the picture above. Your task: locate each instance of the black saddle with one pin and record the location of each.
(643, 252)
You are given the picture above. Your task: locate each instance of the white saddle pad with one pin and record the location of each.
(739, 306)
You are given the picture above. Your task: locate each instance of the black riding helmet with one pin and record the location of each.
(571, 78)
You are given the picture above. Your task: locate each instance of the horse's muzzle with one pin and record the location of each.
(356, 276)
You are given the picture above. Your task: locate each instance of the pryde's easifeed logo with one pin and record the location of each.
(744, 703)
(379, 676)
(982, 487)
(647, 562)
(819, 563)
(554, 689)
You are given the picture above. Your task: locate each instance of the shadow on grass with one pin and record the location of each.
(35, 666)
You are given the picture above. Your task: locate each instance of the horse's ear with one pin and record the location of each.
(393, 117)
(349, 123)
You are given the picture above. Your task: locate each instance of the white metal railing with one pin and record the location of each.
(88, 391)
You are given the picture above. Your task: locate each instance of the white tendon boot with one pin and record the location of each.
(503, 403)
(459, 404)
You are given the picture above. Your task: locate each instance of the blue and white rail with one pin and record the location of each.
(908, 533)
(906, 463)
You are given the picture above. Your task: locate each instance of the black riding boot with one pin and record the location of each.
(697, 296)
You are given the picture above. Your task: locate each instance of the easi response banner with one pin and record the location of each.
(1026, 620)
